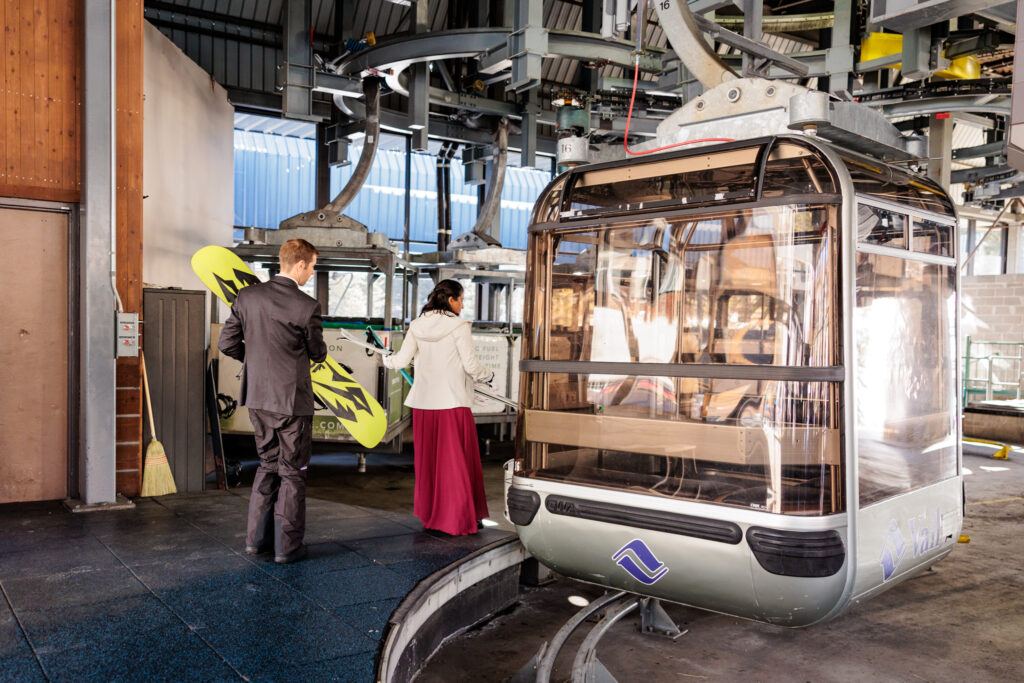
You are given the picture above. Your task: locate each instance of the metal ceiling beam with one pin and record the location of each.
(221, 34)
(989, 150)
(153, 8)
(395, 122)
(986, 173)
(702, 6)
(906, 15)
(491, 45)
(749, 46)
(781, 23)
(1000, 105)
(1010, 192)
(398, 53)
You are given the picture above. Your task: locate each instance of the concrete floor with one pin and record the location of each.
(388, 481)
(962, 621)
(163, 592)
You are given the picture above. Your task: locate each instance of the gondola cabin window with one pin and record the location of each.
(738, 290)
(904, 331)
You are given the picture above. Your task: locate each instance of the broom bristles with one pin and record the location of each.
(157, 479)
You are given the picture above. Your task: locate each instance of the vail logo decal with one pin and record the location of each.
(925, 534)
(894, 547)
(639, 562)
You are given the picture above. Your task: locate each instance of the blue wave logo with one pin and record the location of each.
(639, 562)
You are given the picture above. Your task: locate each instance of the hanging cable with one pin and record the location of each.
(632, 98)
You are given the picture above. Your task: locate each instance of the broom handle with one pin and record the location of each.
(149, 404)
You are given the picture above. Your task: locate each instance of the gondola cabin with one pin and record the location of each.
(739, 378)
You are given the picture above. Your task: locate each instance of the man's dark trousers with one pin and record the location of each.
(277, 507)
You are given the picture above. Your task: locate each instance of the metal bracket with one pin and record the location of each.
(654, 619)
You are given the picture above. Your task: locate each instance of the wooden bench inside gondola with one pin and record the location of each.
(678, 439)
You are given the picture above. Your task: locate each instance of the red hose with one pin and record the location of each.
(629, 116)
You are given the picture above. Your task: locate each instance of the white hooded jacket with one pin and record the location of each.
(441, 347)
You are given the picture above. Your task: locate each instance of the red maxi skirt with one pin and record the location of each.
(449, 494)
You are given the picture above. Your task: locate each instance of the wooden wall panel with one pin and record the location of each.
(129, 235)
(40, 99)
(41, 81)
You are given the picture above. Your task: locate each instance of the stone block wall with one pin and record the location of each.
(993, 307)
(992, 310)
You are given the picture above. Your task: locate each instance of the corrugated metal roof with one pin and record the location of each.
(237, 63)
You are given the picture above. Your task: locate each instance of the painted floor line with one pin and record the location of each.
(997, 500)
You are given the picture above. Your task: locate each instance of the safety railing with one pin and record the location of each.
(993, 370)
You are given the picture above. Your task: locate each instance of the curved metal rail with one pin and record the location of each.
(492, 202)
(586, 667)
(549, 651)
(371, 140)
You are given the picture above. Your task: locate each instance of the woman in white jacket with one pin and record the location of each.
(449, 494)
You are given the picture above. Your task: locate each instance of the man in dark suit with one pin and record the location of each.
(275, 329)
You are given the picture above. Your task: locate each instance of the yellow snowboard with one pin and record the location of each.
(225, 274)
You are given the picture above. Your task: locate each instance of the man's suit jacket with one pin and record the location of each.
(275, 329)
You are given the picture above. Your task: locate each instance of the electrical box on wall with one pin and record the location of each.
(127, 334)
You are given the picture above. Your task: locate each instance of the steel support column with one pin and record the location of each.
(97, 451)
(917, 54)
(407, 204)
(839, 57)
(527, 45)
(297, 70)
(940, 150)
(531, 113)
(1015, 126)
(419, 85)
(322, 289)
(323, 165)
(752, 12)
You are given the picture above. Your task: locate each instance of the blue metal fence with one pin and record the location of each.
(275, 179)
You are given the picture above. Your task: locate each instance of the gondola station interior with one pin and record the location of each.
(732, 297)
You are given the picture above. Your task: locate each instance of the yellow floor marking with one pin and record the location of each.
(997, 500)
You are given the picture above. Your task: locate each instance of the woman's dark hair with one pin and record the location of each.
(438, 299)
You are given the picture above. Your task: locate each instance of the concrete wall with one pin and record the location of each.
(188, 164)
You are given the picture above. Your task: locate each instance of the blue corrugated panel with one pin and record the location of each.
(275, 179)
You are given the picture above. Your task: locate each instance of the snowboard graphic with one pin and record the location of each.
(225, 274)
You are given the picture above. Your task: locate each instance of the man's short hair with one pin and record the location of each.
(296, 250)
